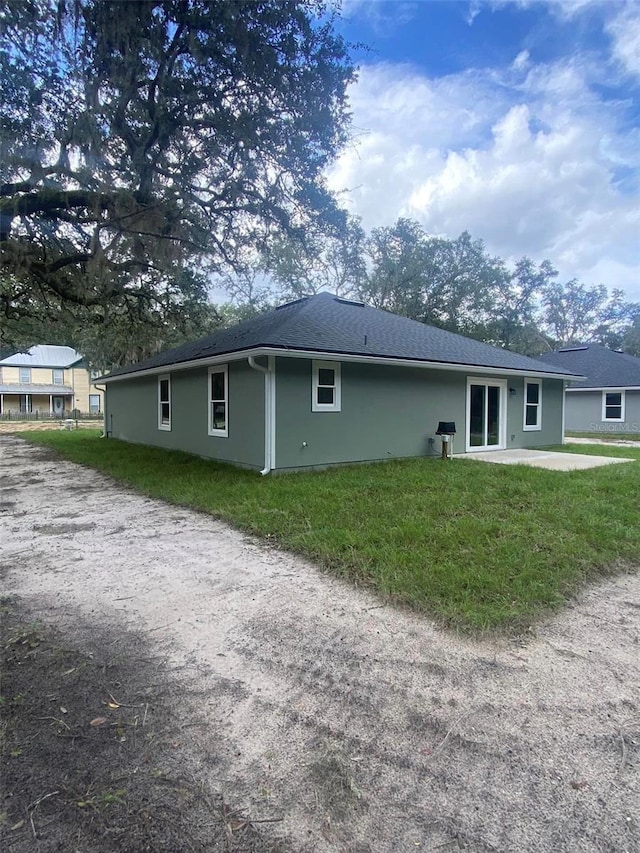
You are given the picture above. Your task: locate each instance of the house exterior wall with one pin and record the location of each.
(551, 432)
(83, 387)
(131, 414)
(389, 412)
(386, 412)
(77, 378)
(584, 413)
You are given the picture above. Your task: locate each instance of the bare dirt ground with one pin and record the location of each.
(347, 724)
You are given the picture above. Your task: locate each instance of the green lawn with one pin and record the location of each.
(606, 436)
(478, 546)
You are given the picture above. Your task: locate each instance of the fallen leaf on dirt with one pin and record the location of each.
(235, 825)
(113, 705)
(98, 721)
(17, 825)
(63, 710)
(578, 786)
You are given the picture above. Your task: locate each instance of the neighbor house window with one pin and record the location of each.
(164, 402)
(613, 406)
(58, 377)
(94, 404)
(532, 406)
(26, 404)
(219, 400)
(325, 386)
(25, 375)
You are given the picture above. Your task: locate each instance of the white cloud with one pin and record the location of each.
(624, 30)
(527, 158)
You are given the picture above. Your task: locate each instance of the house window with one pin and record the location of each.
(325, 386)
(25, 375)
(613, 406)
(58, 377)
(532, 406)
(26, 404)
(164, 402)
(219, 400)
(94, 404)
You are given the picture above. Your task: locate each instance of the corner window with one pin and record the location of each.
(613, 406)
(58, 377)
(325, 386)
(25, 375)
(219, 400)
(94, 404)
(532, 406)
(164, 402)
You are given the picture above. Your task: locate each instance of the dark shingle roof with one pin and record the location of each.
(602, 367)
(327, 324)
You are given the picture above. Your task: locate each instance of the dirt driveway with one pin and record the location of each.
(364, 727)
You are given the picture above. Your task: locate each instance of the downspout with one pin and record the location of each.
(269, 410)
(105, 431)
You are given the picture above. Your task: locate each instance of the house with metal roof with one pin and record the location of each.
(47, 381)
(608, 400)
(324, 381)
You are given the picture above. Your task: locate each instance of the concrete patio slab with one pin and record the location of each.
(552, 460)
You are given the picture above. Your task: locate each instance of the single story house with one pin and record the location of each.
(323, 381)
(609, 399)
(47, 381)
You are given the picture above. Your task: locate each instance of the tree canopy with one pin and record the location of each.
(143, 139)
(455, 284)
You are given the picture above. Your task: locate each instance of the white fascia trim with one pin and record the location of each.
(331, 356)
(613, 388)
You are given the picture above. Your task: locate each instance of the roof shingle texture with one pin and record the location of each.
(602, 367)
(327, 324)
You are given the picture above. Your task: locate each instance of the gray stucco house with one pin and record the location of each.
(609, 399)
(323, 381)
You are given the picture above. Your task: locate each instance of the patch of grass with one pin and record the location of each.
(606, 436)
(478, 546)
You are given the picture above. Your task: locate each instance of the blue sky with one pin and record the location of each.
(517, 120)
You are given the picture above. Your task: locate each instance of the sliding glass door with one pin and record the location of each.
(486, 413)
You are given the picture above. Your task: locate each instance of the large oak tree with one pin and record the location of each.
(141, 139)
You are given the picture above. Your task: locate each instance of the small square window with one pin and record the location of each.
(613, 406)
(325, 387)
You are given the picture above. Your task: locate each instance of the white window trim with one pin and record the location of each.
(622, 405)
(538, 424)
(24, 371)
(161, 378)
(337, 396)
(59, 373)
(218, 368)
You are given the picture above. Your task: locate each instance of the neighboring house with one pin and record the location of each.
(323, 381)
(47, 381)
(609, 400)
